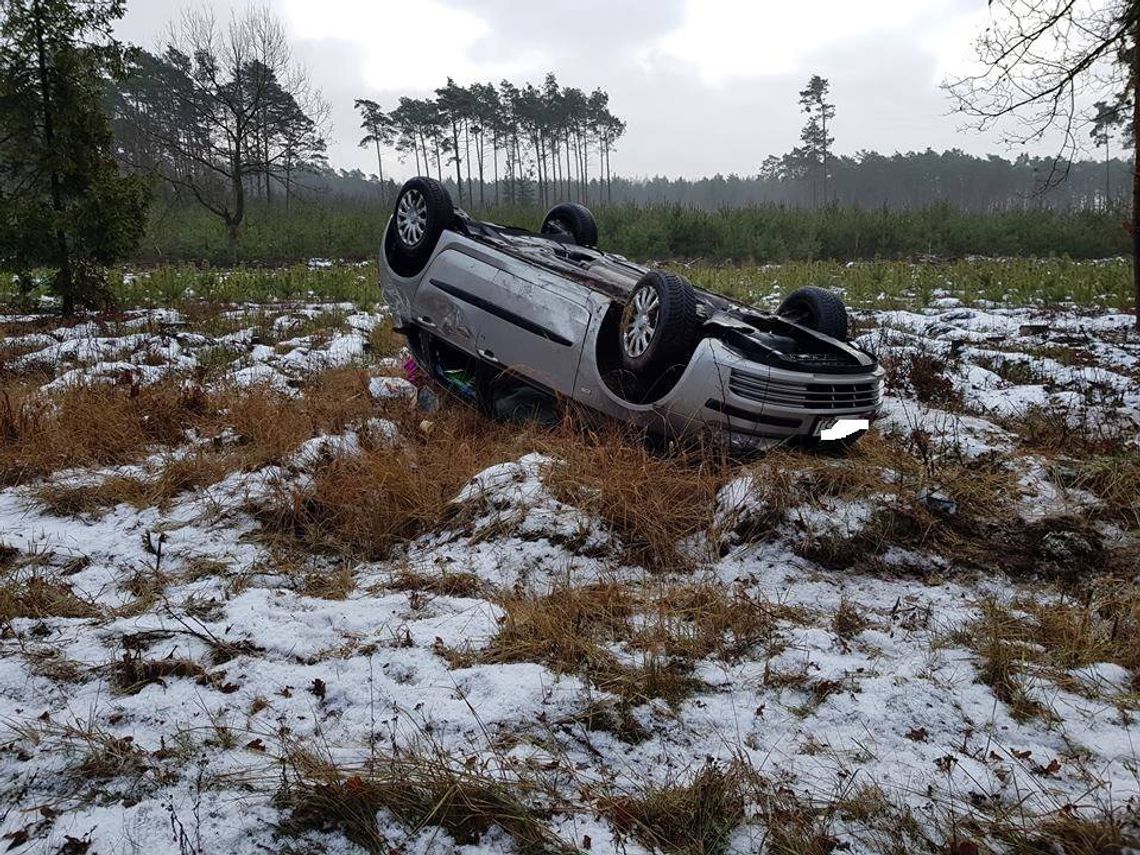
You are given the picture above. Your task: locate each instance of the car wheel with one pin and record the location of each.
(816, 309)
(658, 324)
(423, 211)
(572, 220)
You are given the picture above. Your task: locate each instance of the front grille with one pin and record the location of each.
(861, 394)
(819, 360)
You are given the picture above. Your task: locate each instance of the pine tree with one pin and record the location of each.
(817, 143)
(66, 207)
(379, 128)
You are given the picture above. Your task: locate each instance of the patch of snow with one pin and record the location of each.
(261, 374)
(968, 437)
(383, 388)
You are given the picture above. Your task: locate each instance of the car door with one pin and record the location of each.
(533, 326)
(438, 305)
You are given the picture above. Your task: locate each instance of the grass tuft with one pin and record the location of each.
(1052, 636)
(35, 595)
(652, 503)
(132, 673)
(685, 819)
(419, 790)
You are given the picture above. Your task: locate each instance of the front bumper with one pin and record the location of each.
(752, 405)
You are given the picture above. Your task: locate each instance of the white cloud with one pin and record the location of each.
(406, 45)
(724, 39)
(705, 86)
(730, 39)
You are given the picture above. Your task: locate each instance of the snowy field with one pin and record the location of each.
(213, 638)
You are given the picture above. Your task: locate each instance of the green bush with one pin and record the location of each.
(351, 230)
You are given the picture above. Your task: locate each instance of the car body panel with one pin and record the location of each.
(545, 312)
(534, 330)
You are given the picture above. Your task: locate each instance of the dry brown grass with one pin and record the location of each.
(446, 584)
(572, 630)
(107, 424)
(33, 594)
(1049, 637)
(685, 819)
(383, 340)
(870, 821)
(175, 477)
(650, 502)
(362, 505)
(650, 678)
(793, 828)
(567, 630)
(270, 425)
(986, 531)
(1073, 833)
(53, 664)
(328, 584)
(849, 620)
(885, 473)
(366, 504)
(695, 622)
(133, 672)
(1051, 430)
(1003, 661)
(610, 716)
(1114, 478)
(63, 500)
(98, 757)
(922, 376)
(419, 790)
(117, 424)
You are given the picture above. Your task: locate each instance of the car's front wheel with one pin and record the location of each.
(659, 324)
(423, 211)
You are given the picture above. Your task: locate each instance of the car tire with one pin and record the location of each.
(658, 324)
(422, 212)
(816, 309)
(573, 220)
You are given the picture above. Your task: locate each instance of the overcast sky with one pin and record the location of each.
(706, 86)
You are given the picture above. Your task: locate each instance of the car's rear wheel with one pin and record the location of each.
(659, 324)
(423, 211)
(816, 309)
(574, 221)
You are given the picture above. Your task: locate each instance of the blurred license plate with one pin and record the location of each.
(833, 429)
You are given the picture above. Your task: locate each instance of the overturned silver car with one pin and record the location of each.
(491, 310)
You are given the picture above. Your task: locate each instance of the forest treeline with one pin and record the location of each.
(903, 182)
(867, 180)
(225, 118)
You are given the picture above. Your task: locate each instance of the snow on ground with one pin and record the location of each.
(897, 702)
(90, 352)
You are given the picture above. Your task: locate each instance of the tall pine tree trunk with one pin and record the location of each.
(823, 113)
(234, 220)
(380, 166)
(1136, 169)
(64, 283)
(458, 177)
(495, 158)
(569, 168)
(480, 156)
(467, 153)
